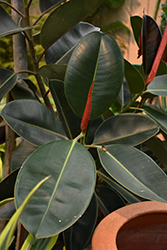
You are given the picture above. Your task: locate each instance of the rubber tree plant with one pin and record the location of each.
(85, 128)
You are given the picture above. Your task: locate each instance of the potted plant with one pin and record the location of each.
(88, 148)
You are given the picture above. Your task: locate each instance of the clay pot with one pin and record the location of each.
(140, 226)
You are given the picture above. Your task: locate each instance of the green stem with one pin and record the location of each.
(34, 60)
(156, 9)
(130, 103)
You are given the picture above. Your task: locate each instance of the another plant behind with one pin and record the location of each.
(92, 156)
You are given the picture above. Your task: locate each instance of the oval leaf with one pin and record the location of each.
(133, 78)
(64, 19)
(7, 81)
(158, 115)
(33, 121)
(151, 38)
(158, 86)
(65, 197)
(53, 71)
(8, 26)
(136, 23)
(126, 194)
(135, 171)
(48, 5)
(61, 50)
(131, 129)
(96, 58)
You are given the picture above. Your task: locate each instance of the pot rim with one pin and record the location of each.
(112, 223)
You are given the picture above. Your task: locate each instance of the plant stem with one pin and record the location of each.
(130, 103)
(35, 61)
(156, 9)
(12, 7)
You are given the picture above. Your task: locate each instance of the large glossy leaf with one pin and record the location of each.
(41, 244)
(133, 78)
(49, 4)
(7, 81)
(53, 71)
(20, 154)
(158, 86)
(92, 127)
(151, 37)
(7, 25)
(33, 121)
(135, 171)
(9, 230)
(77, 236)
(108, 199)
(158, 115)
(64, 19)
(70, 122)
(65, 196)
(96, 58)
(61, 50)
(7, 186)
(126, 194)
(131, 129)
(136, 23)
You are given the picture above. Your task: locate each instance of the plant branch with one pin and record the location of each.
(35, 61)
(12, 7)
(28, 5)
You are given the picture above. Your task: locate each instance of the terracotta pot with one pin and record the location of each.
(140, 226)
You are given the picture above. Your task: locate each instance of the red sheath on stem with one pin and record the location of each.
(87, 111)
(158, 57)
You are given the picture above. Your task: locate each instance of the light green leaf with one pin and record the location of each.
(42, 244)
(8, 232)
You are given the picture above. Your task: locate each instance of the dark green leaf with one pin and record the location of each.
(46, 6)
(158, 148)
(8, 26)
(20, 154)
(136, 23)
(33, 121)
(131, 129)
(61, 50)
(7, 210)
(7, 81)
(7, 186)
(151, 37)
(158, 86)
(53, 71)
(108, 199)
(126, 194)
(31, 85)
(92, 127)
(22, 92)
(133, 78)
(61, 200)
(77, 236)
(69, 120)
(63, 19)
(162, 69)
(96, 58)
(157, 115)
(135, 171)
